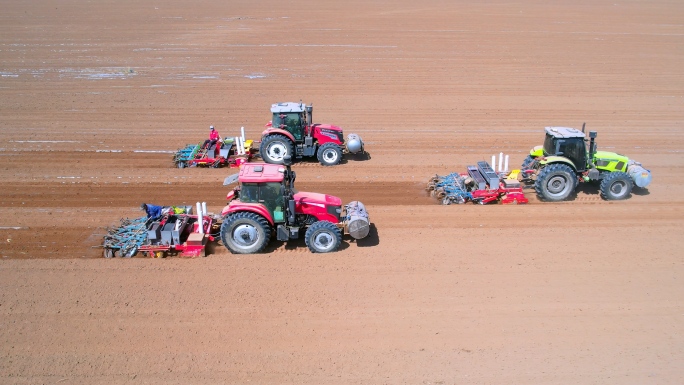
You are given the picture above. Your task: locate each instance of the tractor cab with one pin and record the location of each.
(568, 143)
(264, 186)
(292, 117)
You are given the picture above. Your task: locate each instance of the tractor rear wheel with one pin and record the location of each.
(616, 185)
(555, 182)
(274, 148)
(527, 162)
(323, 237)
(329, 154)
(245, 233)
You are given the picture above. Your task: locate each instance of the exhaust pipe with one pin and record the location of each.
(309, 114)
(592, 146)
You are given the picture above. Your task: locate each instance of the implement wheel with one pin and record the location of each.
(245, 233)
(616, 185)
(323, 237)
(129, 253)
(274, 148)
(555, 182)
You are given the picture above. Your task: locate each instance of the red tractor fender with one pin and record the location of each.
(256, 208)
(280, 131)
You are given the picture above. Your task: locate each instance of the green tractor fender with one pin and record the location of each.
(537, 151)
(557, 159)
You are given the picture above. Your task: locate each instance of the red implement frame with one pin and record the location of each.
(193, 247)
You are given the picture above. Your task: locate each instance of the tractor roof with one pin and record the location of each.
(261, 173)
(287, 107)
(564, 132)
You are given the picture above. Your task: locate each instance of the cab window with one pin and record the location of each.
(249, 193)
(290, 121)
(271, 196)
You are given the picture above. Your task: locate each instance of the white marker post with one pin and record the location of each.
(237, 145)
(199, 218)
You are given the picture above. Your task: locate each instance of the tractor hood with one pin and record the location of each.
(328, 127)
(316, 199)
(327, 133)
(610, 161)
(610, 155)
(320, 206)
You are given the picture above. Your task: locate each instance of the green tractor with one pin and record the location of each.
(556, 168)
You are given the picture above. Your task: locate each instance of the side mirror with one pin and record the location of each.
(287, 160)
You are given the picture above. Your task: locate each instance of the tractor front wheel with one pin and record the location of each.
(616, 185)
(245, 233)
(555, 182)
(329, 154)
(274, 148)
(323, 237)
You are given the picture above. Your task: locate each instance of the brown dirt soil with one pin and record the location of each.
(94, 97)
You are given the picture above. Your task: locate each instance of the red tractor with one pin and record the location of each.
(291, 132)
(265, 201)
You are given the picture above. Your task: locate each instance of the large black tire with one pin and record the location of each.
(245, 233)
(616, 185)
(555, 182)
(274, 148)
(329, 154)
(527, 162)
(323, 237)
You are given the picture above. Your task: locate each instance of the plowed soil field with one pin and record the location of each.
(95, 96)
